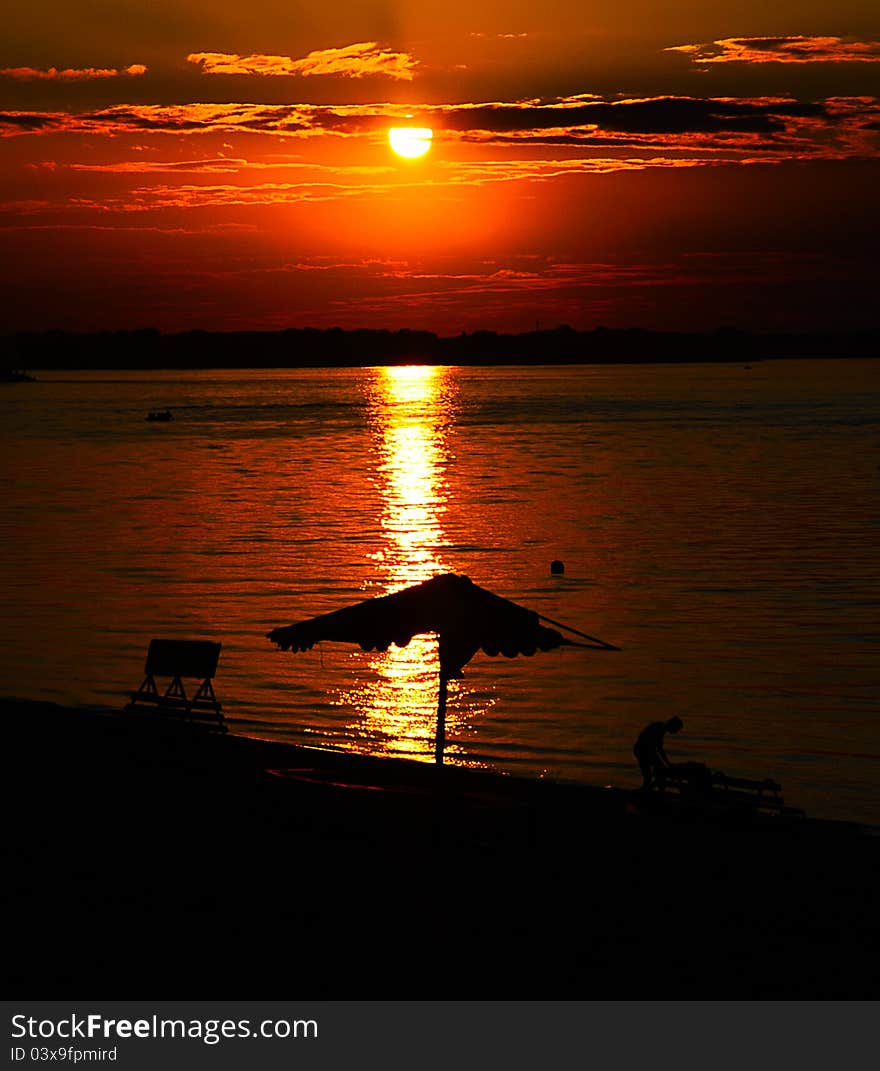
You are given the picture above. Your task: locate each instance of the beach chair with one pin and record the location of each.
(195, 659)
(696, 783)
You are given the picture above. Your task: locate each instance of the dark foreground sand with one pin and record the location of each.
(145, 859)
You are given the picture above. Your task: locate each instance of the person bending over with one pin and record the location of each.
(649, 751)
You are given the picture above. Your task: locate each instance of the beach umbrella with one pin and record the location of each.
(465, 617)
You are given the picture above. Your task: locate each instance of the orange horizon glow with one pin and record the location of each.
(274, 175)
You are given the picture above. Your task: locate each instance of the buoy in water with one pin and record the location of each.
(557, 568)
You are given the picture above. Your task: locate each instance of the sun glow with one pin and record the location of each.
(410, 141)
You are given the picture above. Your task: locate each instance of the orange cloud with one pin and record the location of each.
(329, 186)
(795, 49)
(362, 60)
(219, 164)
(597, 134)
(145, 167)
(70, 74)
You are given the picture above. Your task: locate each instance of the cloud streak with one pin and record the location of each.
(699, 129)
(654, 115)
(365, 59)
(794, 49)
(71, 74)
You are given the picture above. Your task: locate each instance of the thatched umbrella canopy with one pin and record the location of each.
(465, 617)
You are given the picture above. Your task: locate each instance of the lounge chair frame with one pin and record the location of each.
(178, 659)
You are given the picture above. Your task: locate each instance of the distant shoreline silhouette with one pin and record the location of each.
(336, 348)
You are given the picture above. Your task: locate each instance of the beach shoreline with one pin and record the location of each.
(145, 852)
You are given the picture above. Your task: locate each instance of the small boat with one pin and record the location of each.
(14, 375)
(160, 416)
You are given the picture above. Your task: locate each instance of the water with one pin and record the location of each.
(718, 523)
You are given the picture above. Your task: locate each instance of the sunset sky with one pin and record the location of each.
(224, 165)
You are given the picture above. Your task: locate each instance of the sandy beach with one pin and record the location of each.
(143, 853)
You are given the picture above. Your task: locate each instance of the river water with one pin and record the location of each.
(719, 523)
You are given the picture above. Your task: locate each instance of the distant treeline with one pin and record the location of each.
(336, 348)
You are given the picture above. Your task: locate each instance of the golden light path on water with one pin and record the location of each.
(396, 698)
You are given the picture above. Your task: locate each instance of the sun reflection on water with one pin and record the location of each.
(410, 407)
(410, 410)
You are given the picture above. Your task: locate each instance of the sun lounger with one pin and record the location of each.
(696, 782)
(177, 659)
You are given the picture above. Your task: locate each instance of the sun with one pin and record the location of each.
(410, 141)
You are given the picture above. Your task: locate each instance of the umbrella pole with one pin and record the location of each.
(441, 721)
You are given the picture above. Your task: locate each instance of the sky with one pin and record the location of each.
(226, 166)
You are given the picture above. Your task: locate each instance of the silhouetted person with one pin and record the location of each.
(649, 751)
